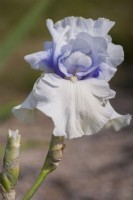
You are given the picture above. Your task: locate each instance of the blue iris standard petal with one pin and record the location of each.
(58, 72)
(73, 69)
(74, 40)
(51, 64)
(48, 62)
(84, 57)
(80, 57)
(93, 74)
(57, 69)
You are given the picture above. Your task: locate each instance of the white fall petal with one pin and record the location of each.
(118, 121)
(76, 108)
(26, 111)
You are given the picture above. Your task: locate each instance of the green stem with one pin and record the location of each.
(36, 185)
(51, 163)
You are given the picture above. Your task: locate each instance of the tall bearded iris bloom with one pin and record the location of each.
(73, 89)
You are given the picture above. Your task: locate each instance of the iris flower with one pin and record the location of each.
(73, 89)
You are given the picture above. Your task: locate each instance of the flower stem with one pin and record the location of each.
(51, 163)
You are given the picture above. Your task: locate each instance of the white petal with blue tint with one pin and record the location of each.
(116, 54)
(98, 46)
(76, 108)
(118, 121)
(102, 26)
(106, 71)
(99, 27)
(77, 62)
(26, 111)
(39, 61)
(59, 38)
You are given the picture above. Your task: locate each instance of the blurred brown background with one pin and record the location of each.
(99, 167)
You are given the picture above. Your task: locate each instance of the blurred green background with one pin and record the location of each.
(23, 31)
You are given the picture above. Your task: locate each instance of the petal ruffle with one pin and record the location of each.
(118, 121)
(76, 108)
(41, 60)
(102, 26)
(99, 27)
(116, 54)
(106, 71)
(25, 112)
